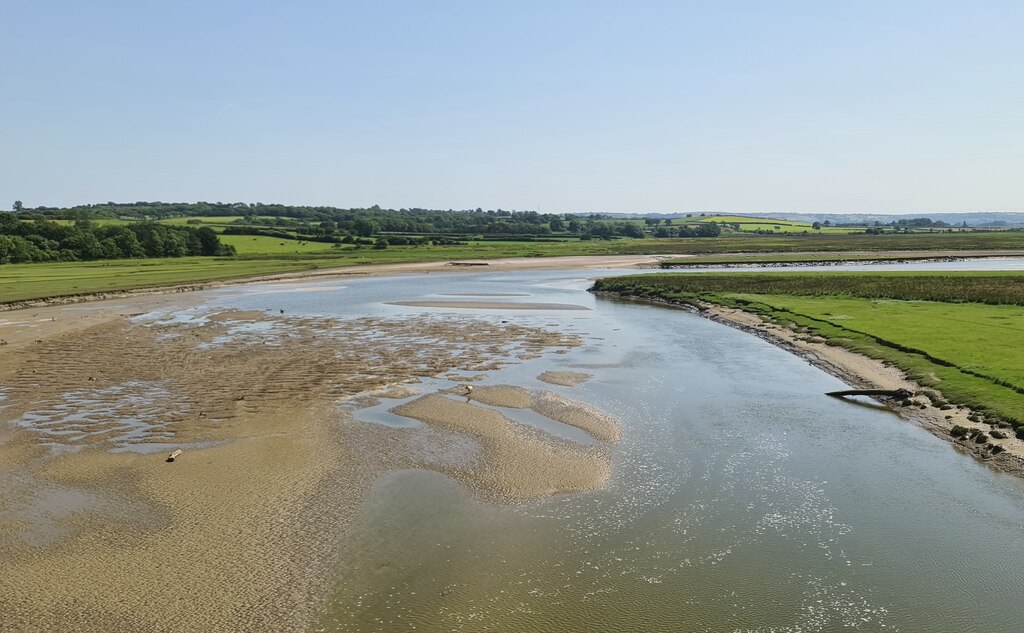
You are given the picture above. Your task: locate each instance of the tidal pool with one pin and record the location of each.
(742, 498)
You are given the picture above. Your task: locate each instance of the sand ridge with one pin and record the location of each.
(582, 416)
(516, 463)
(489, 305)
(564, 378)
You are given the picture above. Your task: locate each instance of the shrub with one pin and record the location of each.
(958, 431)
(999, 435)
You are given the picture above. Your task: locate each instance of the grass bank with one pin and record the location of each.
(819, 258)
(958, 333)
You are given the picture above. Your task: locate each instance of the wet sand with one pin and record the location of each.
(517, 463)
(490, 305)
(598, 424)
(564, 378)
(98, 532)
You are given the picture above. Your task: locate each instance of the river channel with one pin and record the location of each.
(741, 498)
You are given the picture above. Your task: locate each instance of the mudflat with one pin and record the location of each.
(98, 532)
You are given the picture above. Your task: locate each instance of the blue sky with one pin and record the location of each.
(890, 106)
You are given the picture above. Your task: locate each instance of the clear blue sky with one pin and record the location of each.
(875, 106)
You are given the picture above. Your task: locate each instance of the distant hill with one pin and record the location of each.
(980, 219)
(993, 218)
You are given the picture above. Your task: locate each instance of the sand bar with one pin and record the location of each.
(582, 416)
(489, 305)
(517, 462)
(564, 378)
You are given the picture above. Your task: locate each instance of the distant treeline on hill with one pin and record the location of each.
(44, 241)
(331, 224)
(358, 221)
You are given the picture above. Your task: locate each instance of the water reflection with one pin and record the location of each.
(742, 499)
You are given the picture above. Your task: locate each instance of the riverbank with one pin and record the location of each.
(811, 258)
(928, 408)
(764, 260)
(496, 265)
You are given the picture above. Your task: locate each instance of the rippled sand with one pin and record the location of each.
(517, 463)
(98, 533)
(595, 422)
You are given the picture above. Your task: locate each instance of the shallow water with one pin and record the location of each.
(742, 498)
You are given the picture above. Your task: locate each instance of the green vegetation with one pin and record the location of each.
(959, 333)
(262, 245)
(772, 226)
(43, 241)
(742, 259)
(19, 282)
(822, 245)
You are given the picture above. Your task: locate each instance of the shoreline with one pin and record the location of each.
(862, 372)
(444, 266)
(833, 262)
(506, 264)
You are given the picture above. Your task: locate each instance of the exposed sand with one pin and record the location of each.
(239, 532)
(490, 305)
(564, 378)
(517, 463)
(597, 423)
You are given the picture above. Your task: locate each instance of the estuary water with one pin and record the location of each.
(742, 498)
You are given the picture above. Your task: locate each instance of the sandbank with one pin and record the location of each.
(564, 378)
(489, 305)
(582, 416)
(517, 463)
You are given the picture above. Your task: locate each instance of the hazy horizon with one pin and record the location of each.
(576, 107)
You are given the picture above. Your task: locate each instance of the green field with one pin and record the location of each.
(261, 245)
(818, 258)
(958, 333)
(33, 281)
(762, 244)
(752, 225)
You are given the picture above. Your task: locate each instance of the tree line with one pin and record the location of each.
(41, 240)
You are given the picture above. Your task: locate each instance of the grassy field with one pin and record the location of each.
(33, 281)
(958, 333)
(817, 258)
(752, 225)
(775, 244)
(260, 245)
